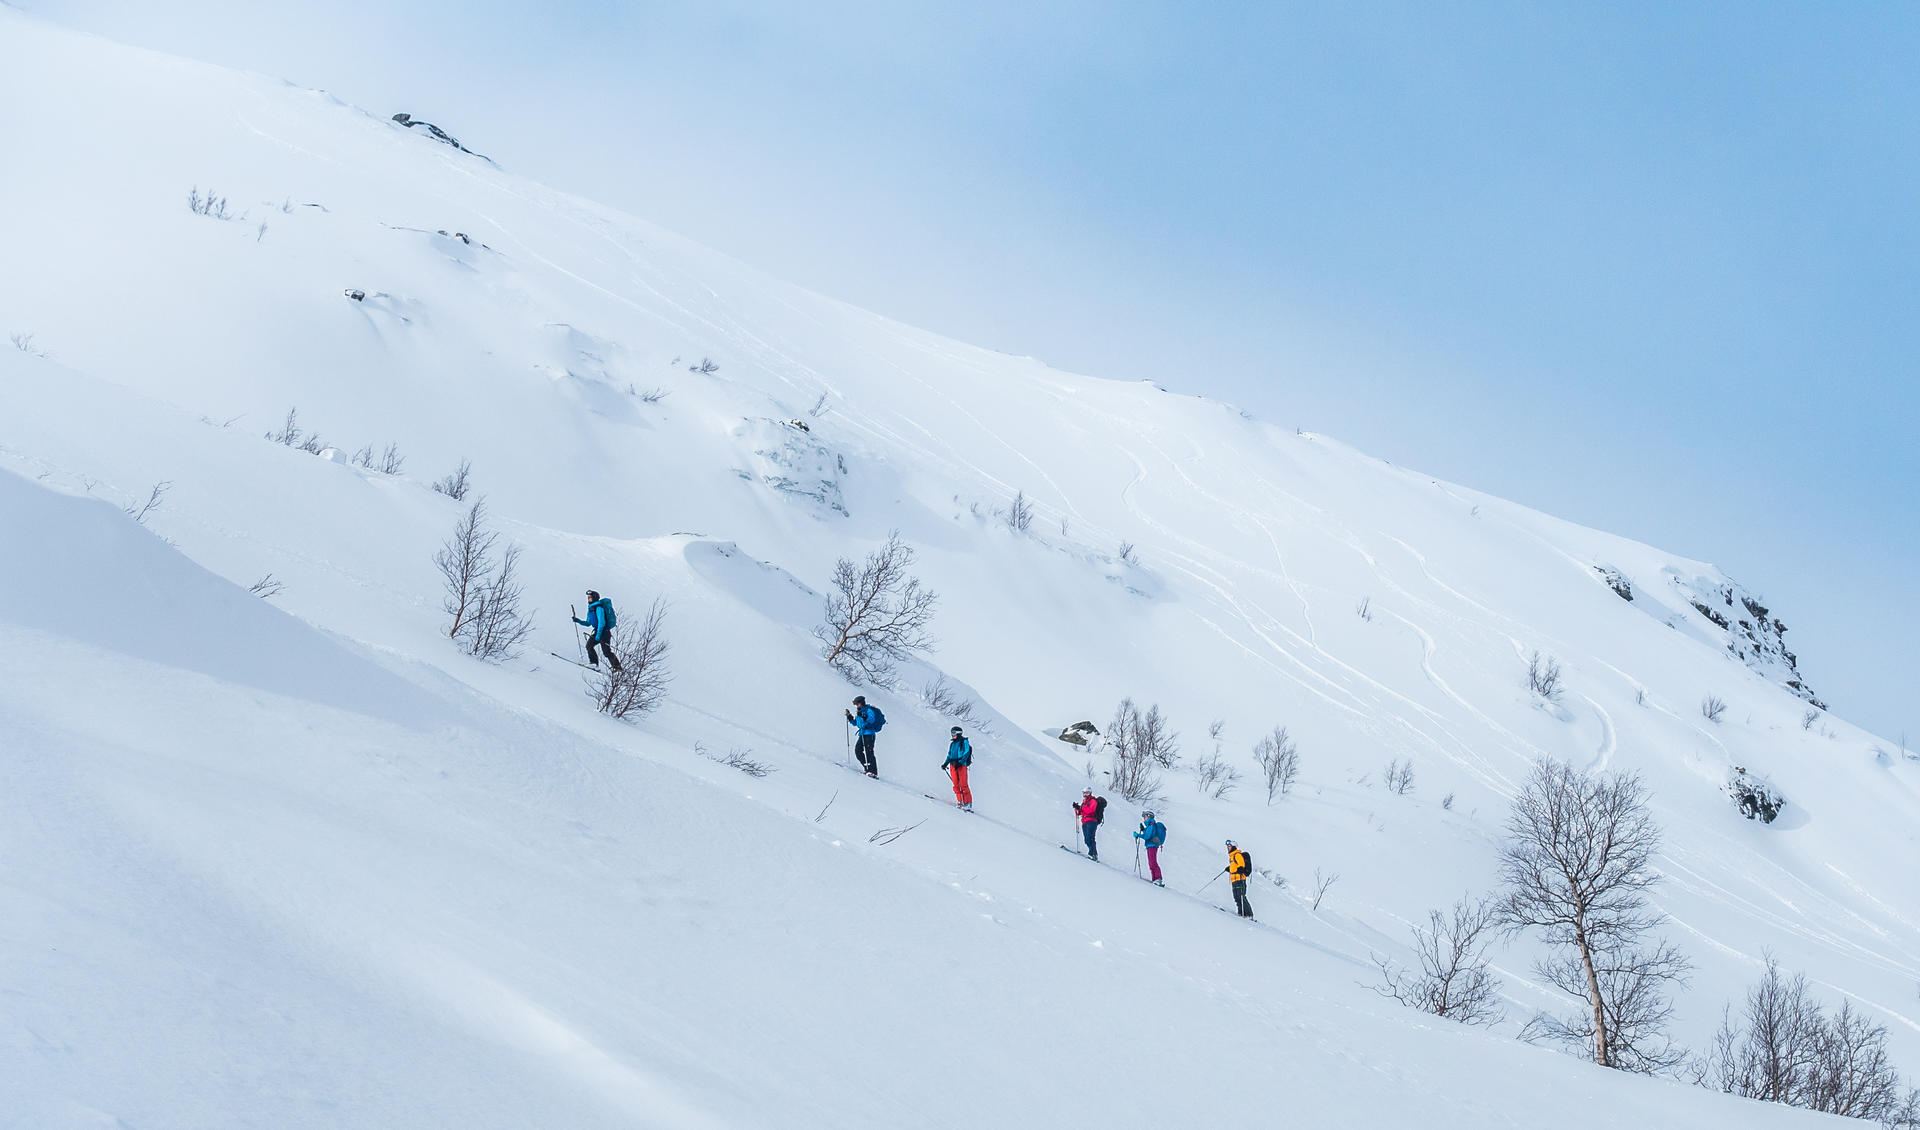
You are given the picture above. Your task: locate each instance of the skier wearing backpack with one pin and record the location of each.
(866, 722)
(959, 760)
(1091, 810)
(1239, 868)
(1153, 834)
(600, 618)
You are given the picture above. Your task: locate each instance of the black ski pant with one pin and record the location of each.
(604, 643)
(1240, 902)
(863, 751)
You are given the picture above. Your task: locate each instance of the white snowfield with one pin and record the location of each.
(300, 862)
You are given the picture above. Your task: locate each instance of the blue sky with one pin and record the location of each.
(1651, 267)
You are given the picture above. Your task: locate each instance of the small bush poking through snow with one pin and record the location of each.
(1398, 777)
(140, 510)
(1454, 980)
(640, 684)
(211, 206)
(1019, 514)
(1713, 708)
(456, 485)
(741, 759)
(1543, 676)
(266, 588)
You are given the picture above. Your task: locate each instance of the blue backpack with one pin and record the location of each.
(607, 604)
(879, 719)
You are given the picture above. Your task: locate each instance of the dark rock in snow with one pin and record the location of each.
(1080, 733)
(438, 134)
(1755, 798)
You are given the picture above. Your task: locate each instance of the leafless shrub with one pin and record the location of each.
(391, 461)
(481, 591)
(1279, 759)
(885, 836)
(653, 395)
(741, 759)
(456, 485)
(1019, 515)
(1065, 525)
(1446, 802)
(819, 408)
(1577, 865)
(1543, 676)
(266, 588)
(211, 206)
(1785, 1048)
(1809, 718)
(705, 368)
(1364, 609)
(1712, 708)
(1142, 745)
(1215, 776)
(1127, 554)
(1398, 777)
(1454, 980)
(639, 684)
(289, 433)
(312, 444)
(1640, 696)
(497, 629)
(140, 510)
(940, 697)
(24, 343)
(824, 807)
(260, 232)
(877, 614)
(1322, 884)
(362, 457)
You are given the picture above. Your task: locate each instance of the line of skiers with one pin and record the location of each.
(867, 721)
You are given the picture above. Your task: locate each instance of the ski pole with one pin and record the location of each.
(1210, 882)
(849, 761)
(1136, 859)
(577, 645)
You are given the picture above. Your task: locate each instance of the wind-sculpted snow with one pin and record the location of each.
(299, 862)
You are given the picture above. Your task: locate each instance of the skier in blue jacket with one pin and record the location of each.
(959, 760)
(1153, 834)
(600, 618)
(866, 722)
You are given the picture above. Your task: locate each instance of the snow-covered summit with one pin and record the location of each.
(304, 863)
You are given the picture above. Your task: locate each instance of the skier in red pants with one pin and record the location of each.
(959, 760)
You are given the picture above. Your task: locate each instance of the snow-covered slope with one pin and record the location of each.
(302, 863)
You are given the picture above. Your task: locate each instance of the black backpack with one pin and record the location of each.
(1099, 810)
(1247, 857)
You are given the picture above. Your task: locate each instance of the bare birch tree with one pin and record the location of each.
(464, 562)
(877, 614)
(1785, 1048)
(1577, 865)
(1279, 758)
(481, 592)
